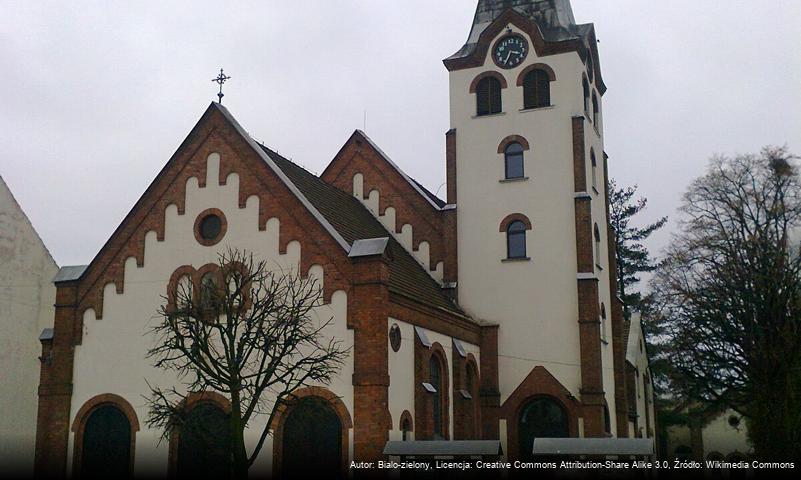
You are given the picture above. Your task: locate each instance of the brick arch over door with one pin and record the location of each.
(284, 410)
(86, 410)
(539, 383)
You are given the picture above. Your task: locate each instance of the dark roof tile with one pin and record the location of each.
(355, 222)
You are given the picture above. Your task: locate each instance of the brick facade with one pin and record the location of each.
(592, 393)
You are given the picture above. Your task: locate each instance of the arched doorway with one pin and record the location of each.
(204, 443)
(106, 444)
(540, 417)
(312, 438)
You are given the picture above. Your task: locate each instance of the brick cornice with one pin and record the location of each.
(439, 321)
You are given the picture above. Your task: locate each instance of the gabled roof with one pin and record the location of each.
(435, 201)
(341, 215)
(353, 221)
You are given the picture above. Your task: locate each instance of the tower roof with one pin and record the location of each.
(553, 17)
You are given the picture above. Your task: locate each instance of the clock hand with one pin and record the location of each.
(507, 57)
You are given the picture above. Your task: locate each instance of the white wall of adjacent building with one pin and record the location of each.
(26, 308)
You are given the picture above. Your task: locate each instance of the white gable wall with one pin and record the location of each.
(111, 358)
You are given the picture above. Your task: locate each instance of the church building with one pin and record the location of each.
(490, 314)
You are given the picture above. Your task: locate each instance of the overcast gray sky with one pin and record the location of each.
(98, 95)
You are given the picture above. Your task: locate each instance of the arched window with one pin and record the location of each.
(594, 165)
(513, 160)
(607, 420)
(603, 321)
(106, 444)
(597, 235)
(435, 379)
(488, 96)
(516, 240)
(585, 85)
(208, 290)
(406, 427)
(595, 110)
(541, 417)
(536, 89)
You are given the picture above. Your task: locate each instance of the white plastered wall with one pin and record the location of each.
(27, 296)
(535, 302)
(111, 358)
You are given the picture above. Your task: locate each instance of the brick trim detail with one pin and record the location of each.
(86, 410)
(212, 134)
(282, 413)
(55, 387)
(513, 217)
(490, 73)
(536, 66)
(368, 317)
(592, 393)
(223, 227)
(450, 165)
(512, 139)
(538, 383)
(489, 390)
(359, 156)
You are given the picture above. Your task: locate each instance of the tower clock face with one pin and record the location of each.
(510, 51)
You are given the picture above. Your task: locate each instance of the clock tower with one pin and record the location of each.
(527, 174)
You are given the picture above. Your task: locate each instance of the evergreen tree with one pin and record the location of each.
(633, 257)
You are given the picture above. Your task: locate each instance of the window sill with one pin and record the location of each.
(535, 109)
(511, 260)
(490, 115)
(513, 180)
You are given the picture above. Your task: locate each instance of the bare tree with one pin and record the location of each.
(248, 332)
(730, 295)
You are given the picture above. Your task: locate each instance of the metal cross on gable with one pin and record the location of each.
(221, 78)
